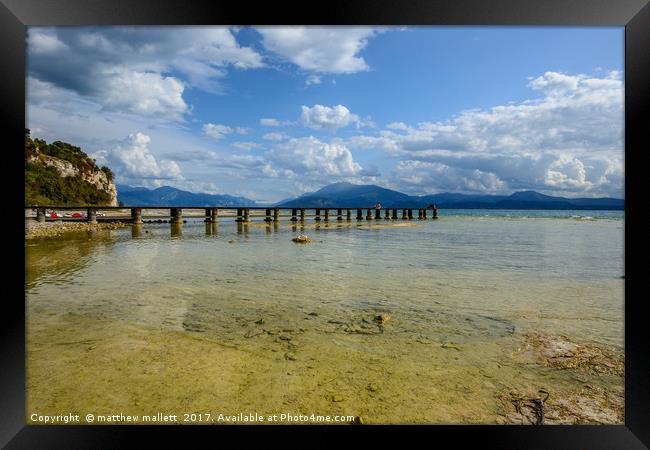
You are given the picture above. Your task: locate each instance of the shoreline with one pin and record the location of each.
(34, 229)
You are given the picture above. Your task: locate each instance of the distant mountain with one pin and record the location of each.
(347, 195)
(169, 196)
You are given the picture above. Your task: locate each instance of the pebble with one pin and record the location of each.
(337, 398)
(290, 356)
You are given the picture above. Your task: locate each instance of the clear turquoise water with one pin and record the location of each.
(476, 280)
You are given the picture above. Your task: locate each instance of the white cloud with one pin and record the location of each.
(127, 68)
(132, 160)
(142, 93)
(217, 131)
(270, 122)
(313, 79)
(319, 117)
(312, 157)
(320, 49)
(275, 136)
(568, 141)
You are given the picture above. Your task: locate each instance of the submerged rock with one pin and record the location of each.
(302, 239)
(562, 353)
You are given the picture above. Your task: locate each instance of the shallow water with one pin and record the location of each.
(460, 294)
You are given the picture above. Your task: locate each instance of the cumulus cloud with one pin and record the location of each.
(323, 117)
(128, 68)
(320, 49)
(133, 160)
(312, 157)
(568, 141)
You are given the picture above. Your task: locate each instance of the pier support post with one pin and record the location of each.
(419, 213)
(394, 213)
(92, 215)
(177, 215)
(404, 214)
(377, 213)
(349, 214)
(359, 214)
(276, 215)
(424, 214)
(214, 215)
(40, 214)
(239, 214)
(136, 215)
(369, 215)
(317, 218)
(302, 214)
(268, 216)
(435, 213)
(247, 214)
(410, 214)
(339, 214)
(294, 213)
(327, 215)
(387, 215)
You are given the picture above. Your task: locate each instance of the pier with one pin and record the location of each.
(211, 214)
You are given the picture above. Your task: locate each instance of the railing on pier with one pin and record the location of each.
(241, 214)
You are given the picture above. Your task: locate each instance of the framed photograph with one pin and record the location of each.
(398, 218)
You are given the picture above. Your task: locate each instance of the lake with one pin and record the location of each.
(391, 321)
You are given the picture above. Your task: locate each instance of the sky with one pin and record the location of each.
(270, 113)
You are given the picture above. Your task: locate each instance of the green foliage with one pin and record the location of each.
(44, 185)
(108, 172)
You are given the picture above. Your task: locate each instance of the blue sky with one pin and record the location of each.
(273, 112)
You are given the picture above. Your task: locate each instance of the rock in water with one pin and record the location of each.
(301, 239)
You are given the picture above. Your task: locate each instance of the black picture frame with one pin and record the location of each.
(634, 15)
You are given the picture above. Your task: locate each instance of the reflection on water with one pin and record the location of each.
(452, 295)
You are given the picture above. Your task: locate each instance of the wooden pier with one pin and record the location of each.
(212, 214)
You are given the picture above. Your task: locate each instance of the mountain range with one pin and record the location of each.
(348, 195)
(166, 195)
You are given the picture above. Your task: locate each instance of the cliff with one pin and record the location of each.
(62, 174)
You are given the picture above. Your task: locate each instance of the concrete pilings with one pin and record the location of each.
(214, 215)
(247, 215)
(276, 215)
(394, 213)
(317, 213)
(294, 214)
(387, 215)
(424, 214)
(268, 216)
(40, 214)
(349, 214)
(410, 214)
(359, 214)
(339, 214)
(327, 215)
(91, 213)
(177, 215)
(136, 215)
(405, 214)
(369, 215)
(302, 215)
(377, 213)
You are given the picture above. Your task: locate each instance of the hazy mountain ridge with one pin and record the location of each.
(166, 195)
(347, 195)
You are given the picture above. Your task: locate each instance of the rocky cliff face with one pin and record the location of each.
(66, 169)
